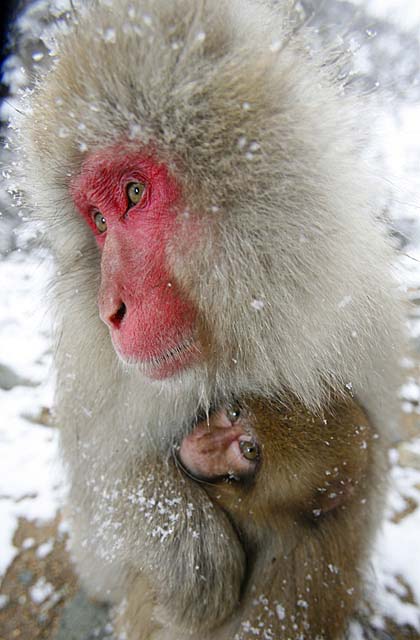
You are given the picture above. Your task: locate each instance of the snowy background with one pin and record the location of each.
(384, 37)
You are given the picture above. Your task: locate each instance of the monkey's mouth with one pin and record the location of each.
(169, 362)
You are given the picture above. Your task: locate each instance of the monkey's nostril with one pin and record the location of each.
(117, 318)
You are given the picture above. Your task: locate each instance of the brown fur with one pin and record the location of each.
(302, 521)
(304, 518)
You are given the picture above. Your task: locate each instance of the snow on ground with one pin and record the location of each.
(29, 483)
(397, 558)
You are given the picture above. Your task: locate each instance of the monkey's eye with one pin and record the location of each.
(249, 450)
(233, 411)
(135, 191)
(100, 222)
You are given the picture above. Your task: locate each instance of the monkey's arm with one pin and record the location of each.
(190, 552)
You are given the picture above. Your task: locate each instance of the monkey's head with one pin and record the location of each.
(202, 186)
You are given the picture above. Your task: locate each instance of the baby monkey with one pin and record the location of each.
(296, 487)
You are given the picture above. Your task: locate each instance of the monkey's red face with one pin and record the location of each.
(131, 204)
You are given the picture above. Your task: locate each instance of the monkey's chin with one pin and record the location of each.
(165, 365)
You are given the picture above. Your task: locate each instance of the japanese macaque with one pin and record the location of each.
(227, 326)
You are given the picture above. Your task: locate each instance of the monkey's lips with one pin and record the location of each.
(165, 364)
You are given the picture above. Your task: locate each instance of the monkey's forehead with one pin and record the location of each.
(213, 86)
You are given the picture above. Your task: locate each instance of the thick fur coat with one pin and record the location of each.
(292, 276)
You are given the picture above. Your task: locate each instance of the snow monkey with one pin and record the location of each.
(227, 327)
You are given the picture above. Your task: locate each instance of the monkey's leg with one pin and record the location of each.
(308, 591)
(134, 618)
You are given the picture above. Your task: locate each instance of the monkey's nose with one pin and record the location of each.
(115, 320)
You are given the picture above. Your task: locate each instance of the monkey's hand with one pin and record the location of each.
(222, 447)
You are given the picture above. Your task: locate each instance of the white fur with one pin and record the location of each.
(269, 156)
